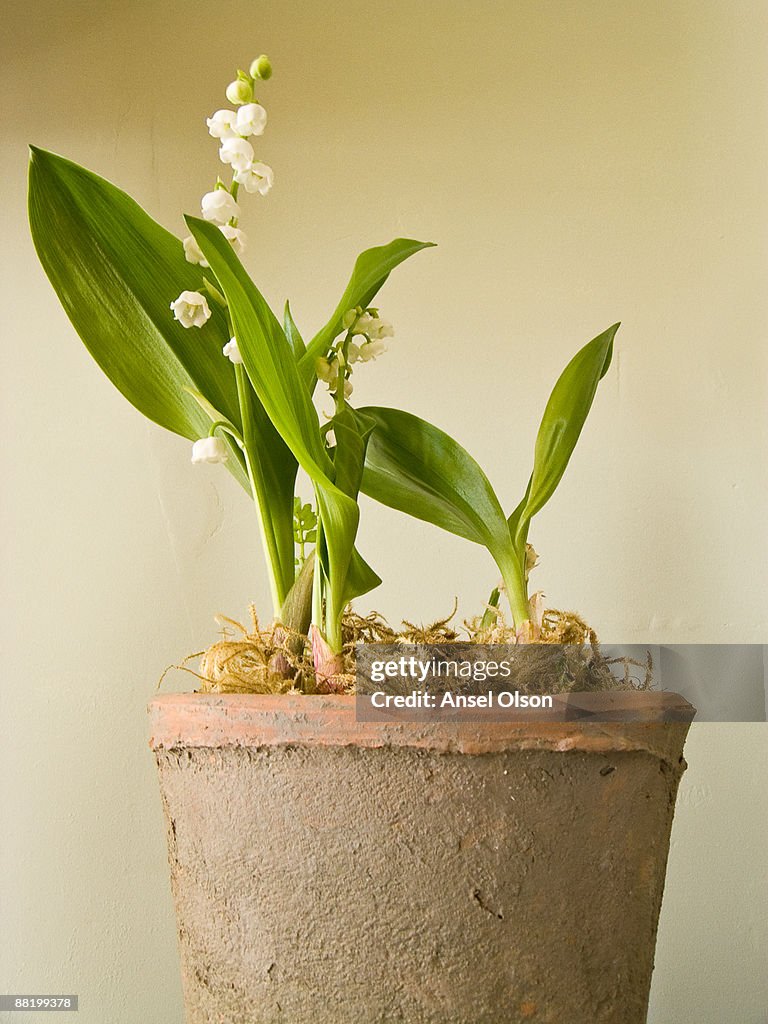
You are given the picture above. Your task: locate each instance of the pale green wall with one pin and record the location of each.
(578, 163)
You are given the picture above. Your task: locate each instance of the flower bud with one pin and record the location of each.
(327, 370)
(261, 68)
(239, 92)
(349, 317)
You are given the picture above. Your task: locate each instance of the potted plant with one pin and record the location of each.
(325, 868)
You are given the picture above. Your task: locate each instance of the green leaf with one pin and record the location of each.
(561, 425)
(116, 271)
(292, 333)
(415, 467)
(352, 432)
(371, 270)
(360, 578)
(275, 377)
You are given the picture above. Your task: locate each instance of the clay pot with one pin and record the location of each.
(332, 871)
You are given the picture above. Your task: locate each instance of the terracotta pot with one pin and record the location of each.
(329, 870)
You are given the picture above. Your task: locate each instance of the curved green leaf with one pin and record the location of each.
(371, 270)
(116, 271)
(561, 425)
(361, 578)
(415, 467)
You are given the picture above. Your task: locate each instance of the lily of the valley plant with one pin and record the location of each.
(185, 334)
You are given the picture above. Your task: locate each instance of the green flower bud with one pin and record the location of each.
(239, 92)
(261, 68)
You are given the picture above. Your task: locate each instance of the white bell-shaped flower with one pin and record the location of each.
(219, 206)
(258, 177)
(191, 309)
(372, 350)
(373, 327)
(232, 352)
(193, 252)
(221, 125)
(235, 236)
(251, 120)
(209, 449)
(236, 152)
(376, 329)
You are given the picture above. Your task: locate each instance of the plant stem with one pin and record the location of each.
(490, 613)
(226, 427)
(317, 580)
(516, 588)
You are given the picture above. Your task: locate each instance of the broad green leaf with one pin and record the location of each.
(371, 270)
(417, 468)
(275, 377)
(561, 425)
(116, 271)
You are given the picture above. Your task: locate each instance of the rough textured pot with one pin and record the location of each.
(332, 871)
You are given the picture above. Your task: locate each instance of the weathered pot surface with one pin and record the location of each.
(330, 870)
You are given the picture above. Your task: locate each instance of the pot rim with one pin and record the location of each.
(215, 721)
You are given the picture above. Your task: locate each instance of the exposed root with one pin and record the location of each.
(566, 657)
